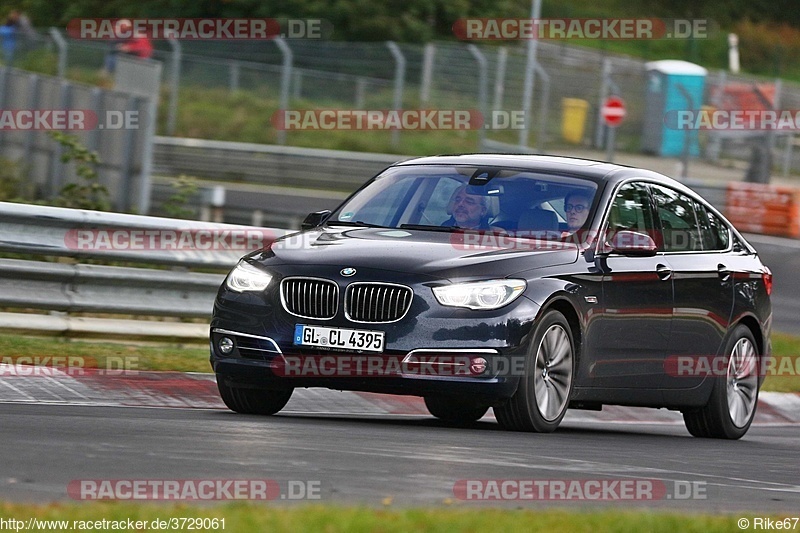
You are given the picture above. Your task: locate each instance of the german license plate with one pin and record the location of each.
(338, 338)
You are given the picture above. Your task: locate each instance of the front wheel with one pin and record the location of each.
(732, 405)
(455, 410)
(253, 401)
(542, 397)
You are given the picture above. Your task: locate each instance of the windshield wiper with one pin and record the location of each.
(448, 229)
(357, 223)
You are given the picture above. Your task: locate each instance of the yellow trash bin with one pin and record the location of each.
(573, 119)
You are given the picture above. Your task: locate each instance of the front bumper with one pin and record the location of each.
(259, 362)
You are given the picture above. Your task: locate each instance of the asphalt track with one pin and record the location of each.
(782, 256)
(358, 457)
(405, 459)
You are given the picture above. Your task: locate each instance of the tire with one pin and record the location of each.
(253, 401)
(732, 405)
(455, 410)
(542, 397)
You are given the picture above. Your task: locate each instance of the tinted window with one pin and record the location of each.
(678, 220)
(516, 201)
(631, 211)
(713, 231)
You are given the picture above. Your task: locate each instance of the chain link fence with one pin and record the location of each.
(440, 75)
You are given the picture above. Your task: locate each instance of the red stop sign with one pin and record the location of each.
(613, 111)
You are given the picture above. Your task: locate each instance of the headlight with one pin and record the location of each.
(246, 277)
(480, 295)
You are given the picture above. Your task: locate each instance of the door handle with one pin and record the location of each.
(724, 273)
(664, 272)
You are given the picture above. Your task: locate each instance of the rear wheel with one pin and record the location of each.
(732, 405)
(253, 401)
(542, 397)
(455, 410)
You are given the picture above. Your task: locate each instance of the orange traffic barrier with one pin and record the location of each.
(765, 209)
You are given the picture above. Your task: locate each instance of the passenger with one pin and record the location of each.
(576, 207)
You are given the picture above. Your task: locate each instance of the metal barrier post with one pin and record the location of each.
(61, 44)
(33, 103)
(787, 155)
(500, 77)
(233, 76)
(297, 85)
(361, 89)
(544, 106)
(55, 178)
(687, 139)
(286, 81)
(483, 82)
(174, 81)
(427, 73)
(530, 76)
(600, 128)
(126, 174)
(399, 80)
(5, 80)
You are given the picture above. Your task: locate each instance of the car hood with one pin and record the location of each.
(432, 253)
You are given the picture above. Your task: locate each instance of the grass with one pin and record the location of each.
(107, 355)
(180, 358)
(786, 349)
(331, 519)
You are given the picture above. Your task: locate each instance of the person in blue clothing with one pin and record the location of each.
(8, 38)
(15, 34)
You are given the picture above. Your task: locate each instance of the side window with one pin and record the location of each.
(678, 220)
(631, 211)
(713, 230)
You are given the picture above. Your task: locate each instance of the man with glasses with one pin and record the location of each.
(576, 206)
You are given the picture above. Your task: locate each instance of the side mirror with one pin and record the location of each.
(315, 220)
(632, 243)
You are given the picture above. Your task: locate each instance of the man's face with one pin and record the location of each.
(468, 209)
(577, 208)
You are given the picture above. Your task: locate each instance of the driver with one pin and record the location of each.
(469, 211)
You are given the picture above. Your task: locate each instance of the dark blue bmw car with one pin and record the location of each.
(528, 284)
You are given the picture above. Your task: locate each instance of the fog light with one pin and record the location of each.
(225, 345)
(477, 365)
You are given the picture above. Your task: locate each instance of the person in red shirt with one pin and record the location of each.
(137, 45)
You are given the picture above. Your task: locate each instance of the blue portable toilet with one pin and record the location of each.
(671, 84)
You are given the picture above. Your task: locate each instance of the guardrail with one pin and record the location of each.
(176, 246)
(70, 287)
(335, 170)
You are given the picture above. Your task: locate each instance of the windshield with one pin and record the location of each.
(448, 198)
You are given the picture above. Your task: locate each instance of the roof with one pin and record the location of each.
(571, 165)
(675, 66)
